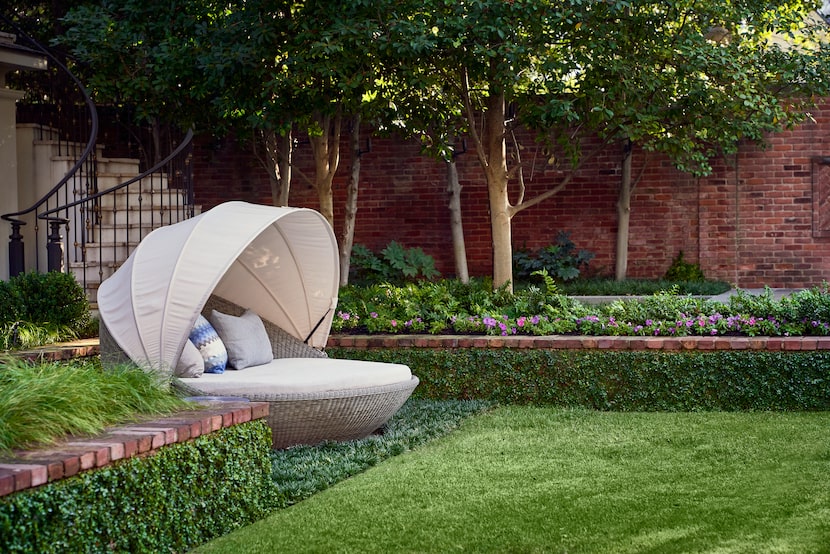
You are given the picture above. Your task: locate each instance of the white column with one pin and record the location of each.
(8, 170)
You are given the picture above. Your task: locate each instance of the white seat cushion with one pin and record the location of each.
(302, 375)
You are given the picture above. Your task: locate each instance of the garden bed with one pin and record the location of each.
(27, 469)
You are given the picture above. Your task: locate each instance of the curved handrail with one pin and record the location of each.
(93, 134)
(186, 140)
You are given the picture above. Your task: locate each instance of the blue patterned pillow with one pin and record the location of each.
(210, 346)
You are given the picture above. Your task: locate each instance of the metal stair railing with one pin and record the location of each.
(80, 179)
(170, 193)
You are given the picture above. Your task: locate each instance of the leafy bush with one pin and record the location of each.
(617, 380)
(183, 496)
(395, 265)
(561, 260)
(36, 308)
(452, 307)
(633, 287)
(681, 270)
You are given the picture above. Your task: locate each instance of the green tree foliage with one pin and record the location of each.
(147, 54)
(689, 79)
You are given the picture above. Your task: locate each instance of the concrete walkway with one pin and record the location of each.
(777, 294)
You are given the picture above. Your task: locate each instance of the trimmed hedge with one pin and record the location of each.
(184, 495)
(44, 298)
(621, 381)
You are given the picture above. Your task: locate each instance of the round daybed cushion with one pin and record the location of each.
(301, 375)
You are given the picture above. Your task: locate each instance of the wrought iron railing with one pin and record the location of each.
(110, 223)
(75, 226)
(68, 119)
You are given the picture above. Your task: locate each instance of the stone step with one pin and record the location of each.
(173, 199)
(90, 275)
(113, 252)
(127, 166)
(138, 215)
(155, 181)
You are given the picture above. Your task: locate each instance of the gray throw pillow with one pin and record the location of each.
(245, 338)
(191, 363)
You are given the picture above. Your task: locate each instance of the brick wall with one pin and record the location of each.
(749, 223)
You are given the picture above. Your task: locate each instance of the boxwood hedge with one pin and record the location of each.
(182, 496)
(615, 380)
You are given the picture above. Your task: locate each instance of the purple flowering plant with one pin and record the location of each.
(447, 307)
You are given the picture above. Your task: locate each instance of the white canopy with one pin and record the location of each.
(280, 262)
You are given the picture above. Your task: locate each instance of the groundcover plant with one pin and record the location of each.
(447, 307)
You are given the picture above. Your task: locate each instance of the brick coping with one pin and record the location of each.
(60, 351)
(569, 342)
(23, 470)
(90, 347)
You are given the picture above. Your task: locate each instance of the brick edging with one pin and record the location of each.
(569, 342)
(61, 351)
(22, 470)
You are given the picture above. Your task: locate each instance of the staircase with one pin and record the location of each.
(117, 222)
(117, 205)
(77, 210)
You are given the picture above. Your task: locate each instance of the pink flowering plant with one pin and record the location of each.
(448, 307)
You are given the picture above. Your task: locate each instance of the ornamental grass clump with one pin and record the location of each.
(42, 403)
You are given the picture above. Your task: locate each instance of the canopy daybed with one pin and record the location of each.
(237, 258)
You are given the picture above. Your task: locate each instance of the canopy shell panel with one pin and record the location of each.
(280, 262)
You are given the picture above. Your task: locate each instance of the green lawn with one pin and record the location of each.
(521, 479)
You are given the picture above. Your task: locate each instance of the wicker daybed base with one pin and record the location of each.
(299, 418)
(333, 415)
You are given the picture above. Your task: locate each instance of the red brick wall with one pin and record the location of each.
(749, 223)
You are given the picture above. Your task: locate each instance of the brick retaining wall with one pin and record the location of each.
(23, 470)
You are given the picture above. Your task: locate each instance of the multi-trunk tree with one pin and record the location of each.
(692, 80)
(689, 79)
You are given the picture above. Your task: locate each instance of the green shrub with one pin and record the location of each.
(37, 308)
(52, 297)
(681, 270)
(183, 496)
(561, 260)
(395, 265)
(450, 306)
(11, 304)
(612, 287)
(616, 380)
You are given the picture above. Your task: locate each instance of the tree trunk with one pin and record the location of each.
(326, 150)
(496, 173)
(156, 132)
(456, 226)
(285, 159)
(624, 214)
(347, 240)
(279, 150)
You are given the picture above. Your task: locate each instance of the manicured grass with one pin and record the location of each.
(521, 479)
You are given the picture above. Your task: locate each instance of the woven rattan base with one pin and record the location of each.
(301, 418)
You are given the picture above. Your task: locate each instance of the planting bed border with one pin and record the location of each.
(24, 470)
(573, 342)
